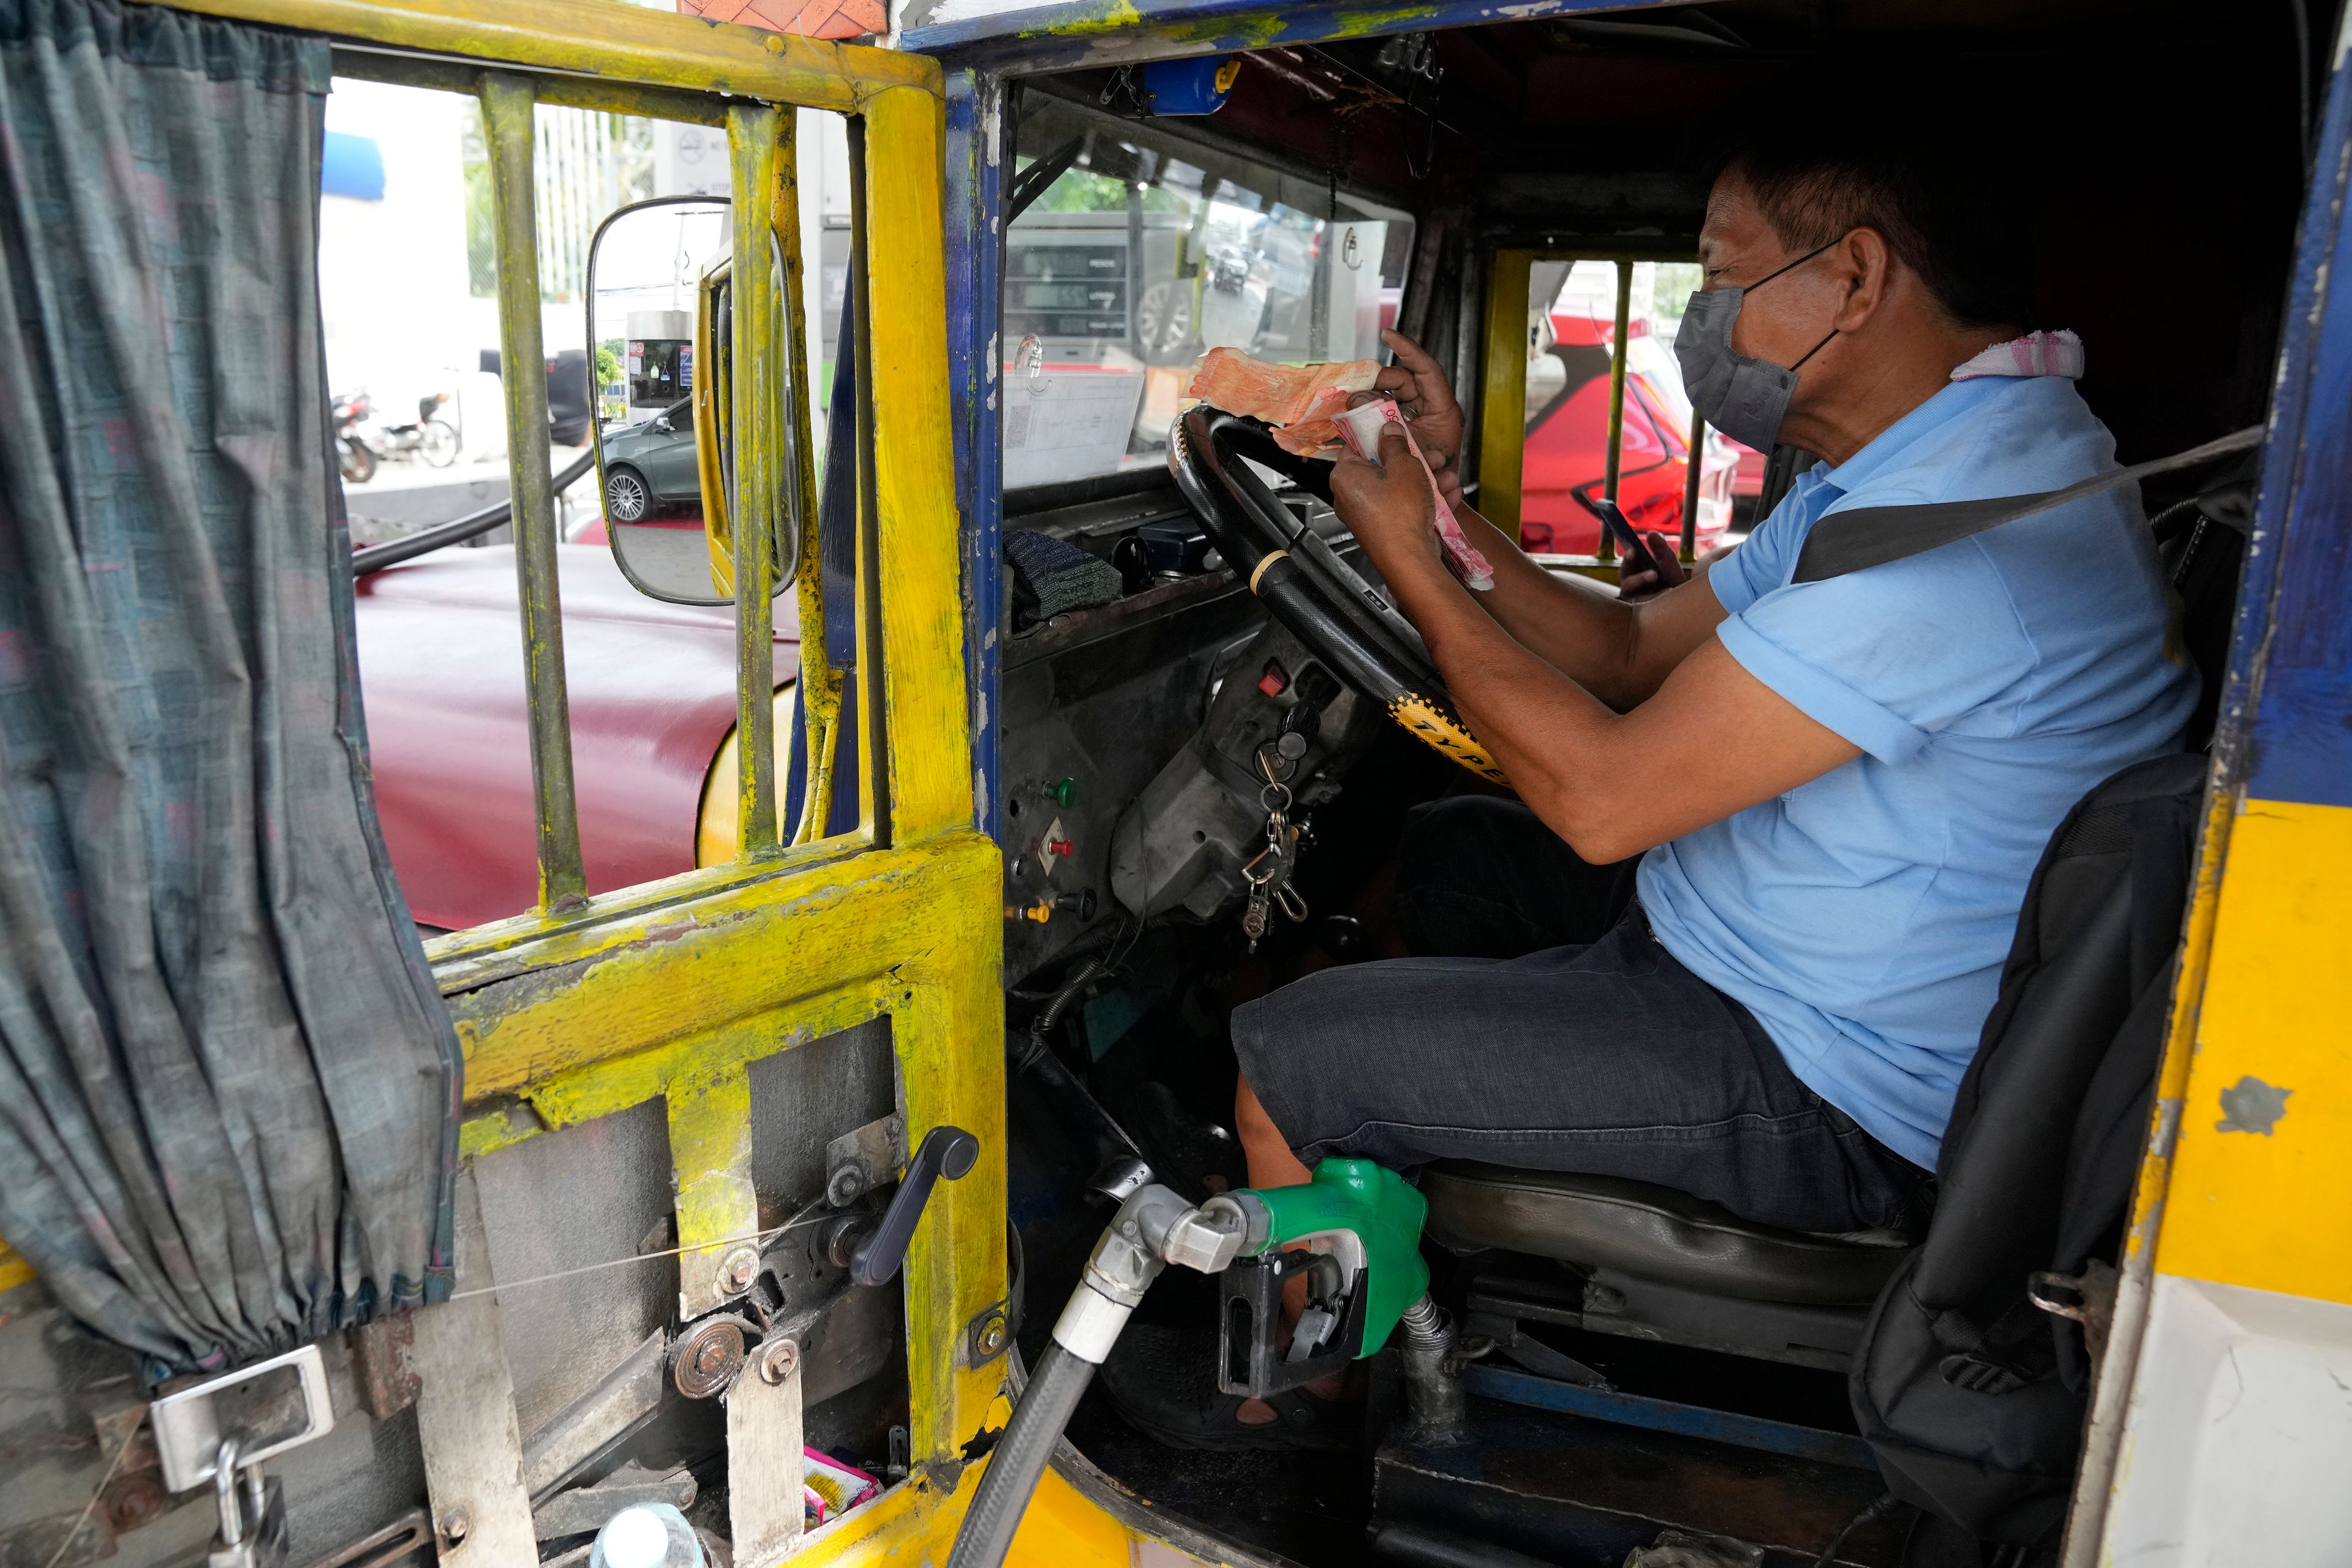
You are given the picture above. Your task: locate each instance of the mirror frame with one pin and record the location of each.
(713, 600)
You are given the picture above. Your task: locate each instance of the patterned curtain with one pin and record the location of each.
(228, 1087)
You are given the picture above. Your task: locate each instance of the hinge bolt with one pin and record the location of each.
(987, 1336)
(737, 1269)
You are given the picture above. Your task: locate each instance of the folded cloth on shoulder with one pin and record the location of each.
(2035, 353)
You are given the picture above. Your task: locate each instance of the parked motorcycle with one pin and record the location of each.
(431, 438)
(353, 456)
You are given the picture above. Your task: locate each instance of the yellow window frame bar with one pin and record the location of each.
(588, 1005)
(1503, 393)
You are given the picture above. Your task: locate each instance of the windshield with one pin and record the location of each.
(1147, 251)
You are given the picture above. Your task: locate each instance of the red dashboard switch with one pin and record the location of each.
(1276, 680)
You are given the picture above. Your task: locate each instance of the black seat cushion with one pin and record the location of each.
(1653, 1231)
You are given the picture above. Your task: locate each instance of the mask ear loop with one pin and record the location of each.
(1814, 350)
(1793, 265)
(1799, 262)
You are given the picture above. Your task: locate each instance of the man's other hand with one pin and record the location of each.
(1648, 581)
(1643, 584)
(1386, 504)
(1426, 399)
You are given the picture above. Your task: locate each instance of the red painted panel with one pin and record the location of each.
(811, 19)
(653, 694)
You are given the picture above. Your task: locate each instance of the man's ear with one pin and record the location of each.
(1865, 262)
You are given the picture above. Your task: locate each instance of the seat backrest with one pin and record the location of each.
(2203, 543)
(1971, 1395)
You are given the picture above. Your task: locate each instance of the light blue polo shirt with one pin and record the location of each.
(1864, 917)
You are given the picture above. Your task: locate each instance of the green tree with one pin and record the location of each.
(482, 219)
(1078, 191)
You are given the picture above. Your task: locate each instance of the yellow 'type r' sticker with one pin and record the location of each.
(1444, 733)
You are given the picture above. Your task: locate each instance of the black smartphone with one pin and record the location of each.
(1634, 547)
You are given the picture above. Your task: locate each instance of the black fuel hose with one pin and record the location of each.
(1019, 1460)
(456, 530)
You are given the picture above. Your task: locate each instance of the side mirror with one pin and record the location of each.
(656, 309)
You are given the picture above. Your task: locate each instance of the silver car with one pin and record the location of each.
(651, 465)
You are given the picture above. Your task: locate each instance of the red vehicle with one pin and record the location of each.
(1568, 441)
(652, 731)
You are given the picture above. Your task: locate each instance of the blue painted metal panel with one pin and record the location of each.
(974, 250)
(1526, 1388)
(1059, 36)
(2293, 653)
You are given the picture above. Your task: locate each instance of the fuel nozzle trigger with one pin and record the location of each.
(1251, 1358)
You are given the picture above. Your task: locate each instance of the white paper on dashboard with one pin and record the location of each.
(1066, 424)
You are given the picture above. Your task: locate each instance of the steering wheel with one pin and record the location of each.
(1322, 601)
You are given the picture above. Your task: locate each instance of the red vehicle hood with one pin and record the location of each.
(652, 695)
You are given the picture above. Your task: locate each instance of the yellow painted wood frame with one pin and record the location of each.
(668, 991)
(1502, 395)
(672, 990)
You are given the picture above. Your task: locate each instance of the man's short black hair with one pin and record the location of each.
(1949, 204)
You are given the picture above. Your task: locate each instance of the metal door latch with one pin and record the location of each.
(221, 1430)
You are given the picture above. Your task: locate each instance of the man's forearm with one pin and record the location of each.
(1587, 636)
(1552, 736)
(1706, 740)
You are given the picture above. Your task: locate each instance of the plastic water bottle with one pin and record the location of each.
(647, 1535)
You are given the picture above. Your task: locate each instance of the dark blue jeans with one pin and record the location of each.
(1546, 1029)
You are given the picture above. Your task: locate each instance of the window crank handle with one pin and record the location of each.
(949, 1151)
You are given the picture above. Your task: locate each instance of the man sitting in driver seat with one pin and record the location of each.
(1739, 932)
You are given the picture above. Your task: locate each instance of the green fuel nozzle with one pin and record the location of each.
(1364, 1217)
(1353, 1230)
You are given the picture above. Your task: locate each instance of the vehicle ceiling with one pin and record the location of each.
(2163, 144)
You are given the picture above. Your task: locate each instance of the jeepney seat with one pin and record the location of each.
(1654, 1233)
(2049, 1113)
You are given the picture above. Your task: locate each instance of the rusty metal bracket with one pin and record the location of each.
(987, 1336)
(381, 1348)
(397, 1542)
(2092, 1303)
(864, 1159)
(465, 1422)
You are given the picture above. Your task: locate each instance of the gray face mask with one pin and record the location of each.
(1743, 396)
